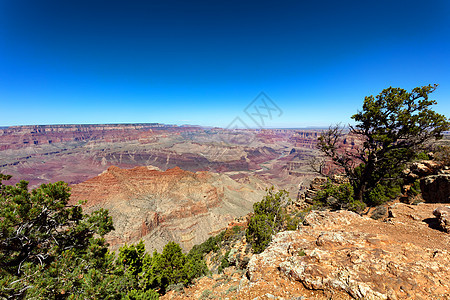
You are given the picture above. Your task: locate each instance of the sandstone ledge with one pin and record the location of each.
(341, 255)
(344, 252)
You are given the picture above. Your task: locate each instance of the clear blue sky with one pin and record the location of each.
(203, 62)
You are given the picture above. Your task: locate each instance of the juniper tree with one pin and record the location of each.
(48, 248)
(270, 216)
(394, 127)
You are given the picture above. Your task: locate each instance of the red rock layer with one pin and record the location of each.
(160, 206)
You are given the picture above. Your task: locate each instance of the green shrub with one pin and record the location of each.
(236, 229)
(210, 245)
(422, 156)
(270, 216)
(415, 188)
(224, 262)
(131, 258)
(142, 295)
(160, 270)
(206, 294)
(338, 196)
(259, 232)
(383, 192)
(170, 267)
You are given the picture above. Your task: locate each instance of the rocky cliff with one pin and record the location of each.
(16, 137)
(342, 255)
(161, 206)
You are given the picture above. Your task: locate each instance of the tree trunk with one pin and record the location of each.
(359, 193)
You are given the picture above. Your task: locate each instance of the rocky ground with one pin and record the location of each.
(342, 255)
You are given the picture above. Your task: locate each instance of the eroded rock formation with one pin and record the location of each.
(342, 255)
(436, 188)
(75, 153)
(161, 206)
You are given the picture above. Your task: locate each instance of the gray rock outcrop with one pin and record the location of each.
(436, 188)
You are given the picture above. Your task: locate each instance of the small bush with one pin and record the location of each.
(224, 263)
(270, 217)
(232, 289)
(142, 295)
(206, 294)
(415, 188)
(338, 196)
(383, 192)
(422, 156)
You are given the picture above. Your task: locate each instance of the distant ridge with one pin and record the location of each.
(87, 125)
(160, 125)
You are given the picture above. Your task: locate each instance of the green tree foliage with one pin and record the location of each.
(259, 232)
(142, 295)
(224, 263)
(270, 216)
(131, 258)
(211, 244)
(147, 273)
(170, 267)
(49, 249)
(338, 196)
(129, 265)
(394, 127)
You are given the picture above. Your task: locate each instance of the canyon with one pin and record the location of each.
(75, 153)
(164, 183)
(160, 182)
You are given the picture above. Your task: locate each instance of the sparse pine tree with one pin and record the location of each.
(394, 127)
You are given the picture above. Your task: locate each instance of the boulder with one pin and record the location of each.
(443, 215)
(436, 188)
(422, 168)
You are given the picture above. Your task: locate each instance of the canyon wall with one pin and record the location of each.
(161, 206)
(75, 153)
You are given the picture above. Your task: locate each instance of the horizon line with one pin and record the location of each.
(159, 124)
